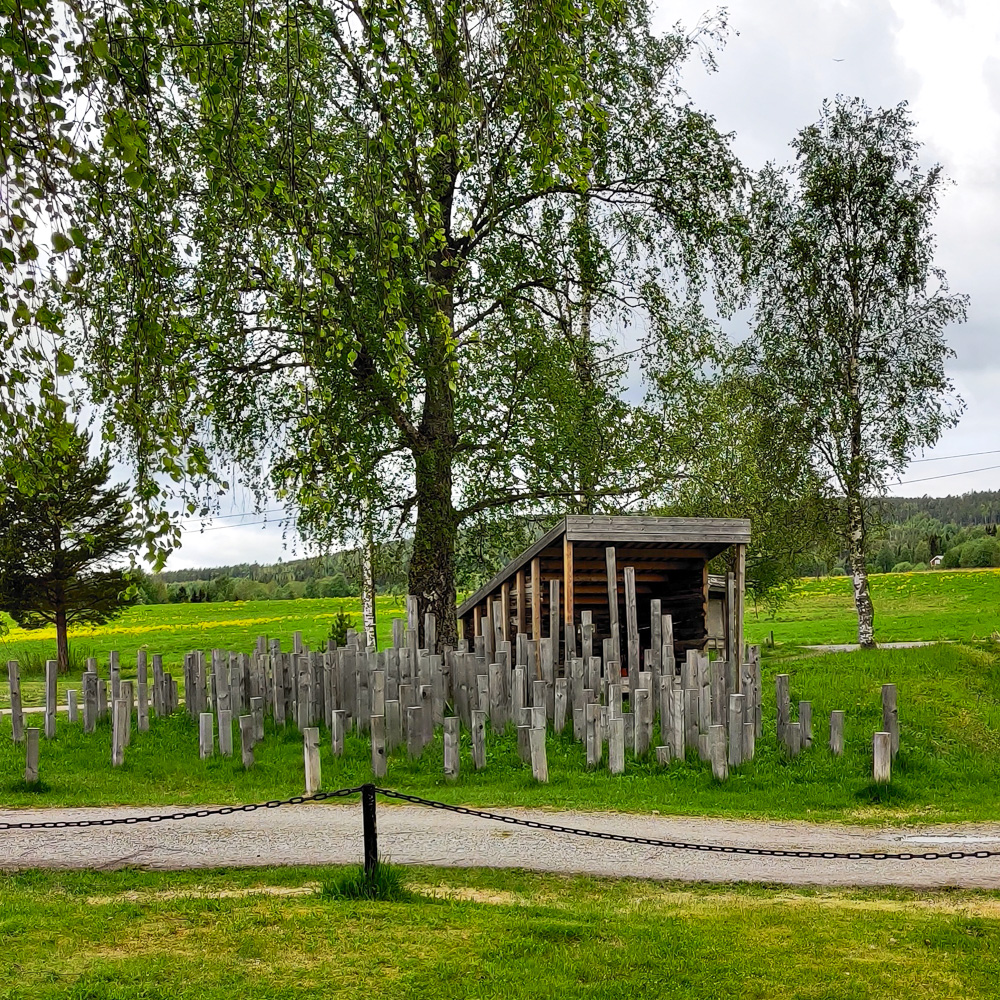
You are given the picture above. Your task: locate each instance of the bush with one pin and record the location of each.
(920, 567)
(838, 571)
(903, 567)
(979, 553)
(952, 558)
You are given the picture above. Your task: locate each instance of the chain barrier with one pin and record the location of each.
(531, 824)
(194, 814)
(771, 852)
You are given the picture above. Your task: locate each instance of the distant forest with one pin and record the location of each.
(914, 533)
(964, 511)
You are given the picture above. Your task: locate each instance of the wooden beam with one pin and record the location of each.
(631, 622)
(569, 599)
(536, 599)
(554, 617)
(505, 609)
(521, 602)
(609, 557)
(477, 619)
(741, 586)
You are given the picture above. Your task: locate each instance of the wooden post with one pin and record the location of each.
(569, 601)
(31, 757)
(479, 740)
(631, 622)
(677, 708)
(505, 610)
(740, 594)
(595, 747)
(539, 763)
(616, 745)
(749, 740)
(72, 707)
(118, 723)
(522, 607)
(246, 740)
(226, 732)
(378, 745)
(732, 674)
(793, 738)
(51, 671)
(611, 560)
(310, 753)
(836, 733)
(451, 748)
(806, 723)
(536, 599)
(717, 752)
(559, 705)
(890, 716)
(89, 702)
(524, 743)
(737, 712)
(206, 738)
(142, 686)
(784, 705)
(554, 611)
(337, 727)
(16, 712)
(642, 706)
(663, 755)
(882, 758)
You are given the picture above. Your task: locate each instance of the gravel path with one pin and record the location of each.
(331, 834)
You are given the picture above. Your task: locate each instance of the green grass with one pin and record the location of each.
(270, 933)
(948, 768)
(941, 604)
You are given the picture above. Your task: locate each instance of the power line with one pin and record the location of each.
(246, 513)
(968, 454)
(947, 475)
(223, 527)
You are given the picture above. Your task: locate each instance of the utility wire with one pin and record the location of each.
(946, 475)
(968, 454)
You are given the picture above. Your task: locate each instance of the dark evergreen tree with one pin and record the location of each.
(62, 529)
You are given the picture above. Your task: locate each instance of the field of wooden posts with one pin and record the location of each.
(403, 696)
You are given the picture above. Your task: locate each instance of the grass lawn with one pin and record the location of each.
(948, 768)
(270, 933)
(942, 604)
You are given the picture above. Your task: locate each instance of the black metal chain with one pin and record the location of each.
(772, 852)
(194, 814)
(532, 824)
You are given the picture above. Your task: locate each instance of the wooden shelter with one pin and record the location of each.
(609, 571)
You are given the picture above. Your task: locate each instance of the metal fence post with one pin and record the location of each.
(371, 833)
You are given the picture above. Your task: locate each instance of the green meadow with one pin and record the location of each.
(934, 605)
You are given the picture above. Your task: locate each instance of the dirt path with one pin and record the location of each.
(325, 834)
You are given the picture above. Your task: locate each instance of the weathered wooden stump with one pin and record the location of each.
(836, 733)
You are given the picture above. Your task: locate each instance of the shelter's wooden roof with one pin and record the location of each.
(707, 536)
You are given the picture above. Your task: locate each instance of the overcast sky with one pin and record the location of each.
(781, 59)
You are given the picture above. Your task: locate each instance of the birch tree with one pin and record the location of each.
(333, 241)
(851, 309)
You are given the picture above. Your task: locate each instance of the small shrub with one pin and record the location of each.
(385, 884)
(342, 621)
(920, 567)
(838, 571)
(903, 567)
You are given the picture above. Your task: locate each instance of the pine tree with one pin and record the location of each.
(62, 528)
